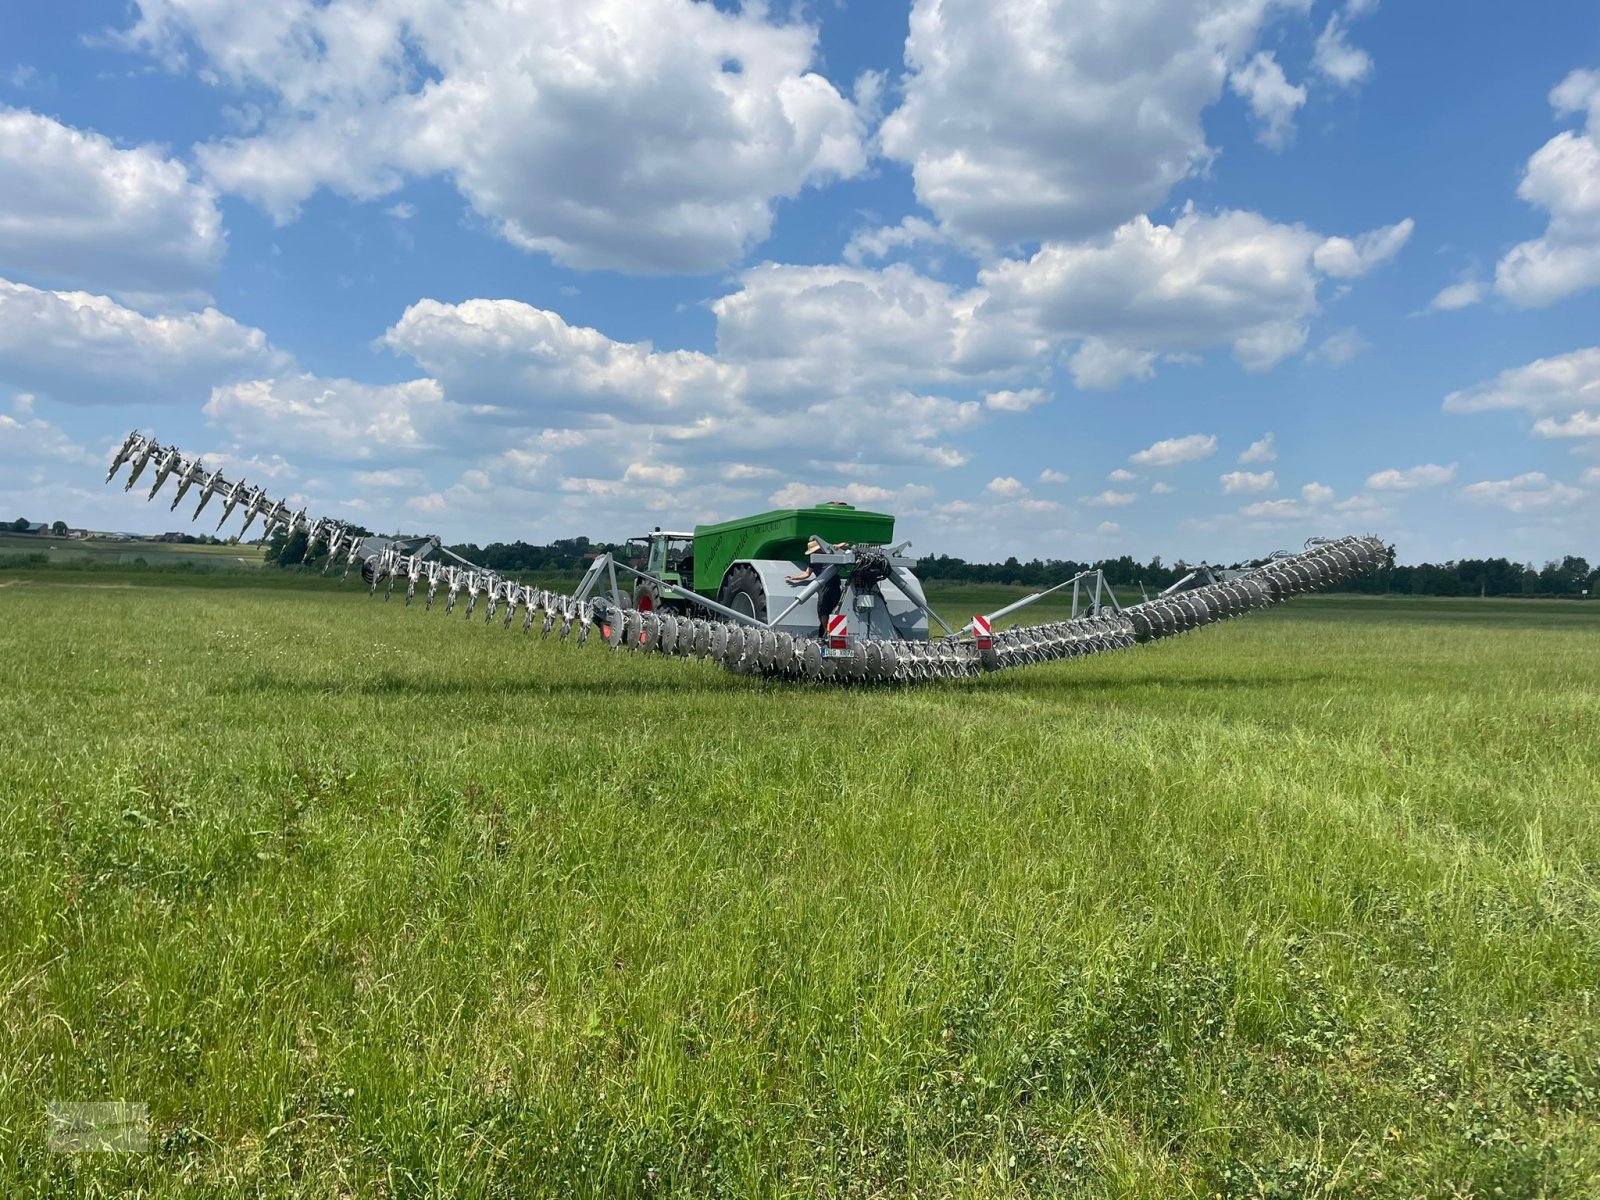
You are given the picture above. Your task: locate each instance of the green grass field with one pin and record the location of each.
(379, 903)
(97, 551)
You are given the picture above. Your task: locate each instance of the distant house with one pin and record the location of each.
(36, 528)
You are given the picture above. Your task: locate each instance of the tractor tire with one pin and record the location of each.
(742, 591)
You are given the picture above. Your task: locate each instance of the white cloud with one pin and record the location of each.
(86, 349)
(1006, 485)
(331, 418)
(1237, 482)
(1232, 279)
(1109, 499)
(882, 241)
(1024, 121)
(1336, 59)
(654, 474)
(1097, 365)
(1171, 451)
(1524, 493)
(1108, 528)
(856, 327)
(1340, 347)
(1016, 401)
(1560, 391)
(1457, 296)
(1347, 258)
(76, 209)
(793, 379)
(1578, 425)
(1122, 475)
(1316, 493)
(1265, 450)
(1050, 475)
(408, 478)
(1162, 489)
(1563, 178)
(507, 355)
(1272, 98)
(655, 135)
(799, 495)
(1425, 475)
(1591, 477)
(27, 440)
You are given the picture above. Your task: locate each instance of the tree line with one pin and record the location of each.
(1569, 576)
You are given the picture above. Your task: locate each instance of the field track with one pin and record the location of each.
(366, 901)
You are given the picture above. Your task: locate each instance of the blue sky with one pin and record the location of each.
(1198, 278)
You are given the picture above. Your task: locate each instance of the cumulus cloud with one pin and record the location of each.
(1230, 279)
(881, 241)
(1265, 450)
(1097, 365)
(1162, 489)
(1109, 499)
(1314, 499)
(1272, 98)
(806, 391)
(87, 349)
(28, 440)
(856, 327)
(1016, 401)
(1335, 59)
(1460, 295)
(1050, 475)
(1024, 121)
(1530, 492)
(1340, 347)
(1347, 258)
(397, 478)
(1122, 475)
(1563, 179)
(1171, 451)
(1239, 482)
(650, 136)
(1578, 425)
(76, 209)
(1425, 475)
(1108, 528)
(511, 356)
(799, 495)
(1006, 485)
(1562, 392)
(338, 418)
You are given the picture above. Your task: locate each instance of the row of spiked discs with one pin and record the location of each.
(1279, 580)
(745, 649)
(751, 650)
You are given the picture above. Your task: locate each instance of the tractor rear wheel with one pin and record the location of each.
(742, 591)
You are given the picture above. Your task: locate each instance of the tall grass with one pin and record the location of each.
(366, 902)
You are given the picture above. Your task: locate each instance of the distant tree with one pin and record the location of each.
(59, 529)
(20, 525)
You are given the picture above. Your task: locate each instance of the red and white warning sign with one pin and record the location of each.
(982, 634)
(838, 631)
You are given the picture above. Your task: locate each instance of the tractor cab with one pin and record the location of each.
(669, 557)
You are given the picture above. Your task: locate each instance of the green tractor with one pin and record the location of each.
(745, 565)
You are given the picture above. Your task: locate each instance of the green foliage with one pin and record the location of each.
(362, 900)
